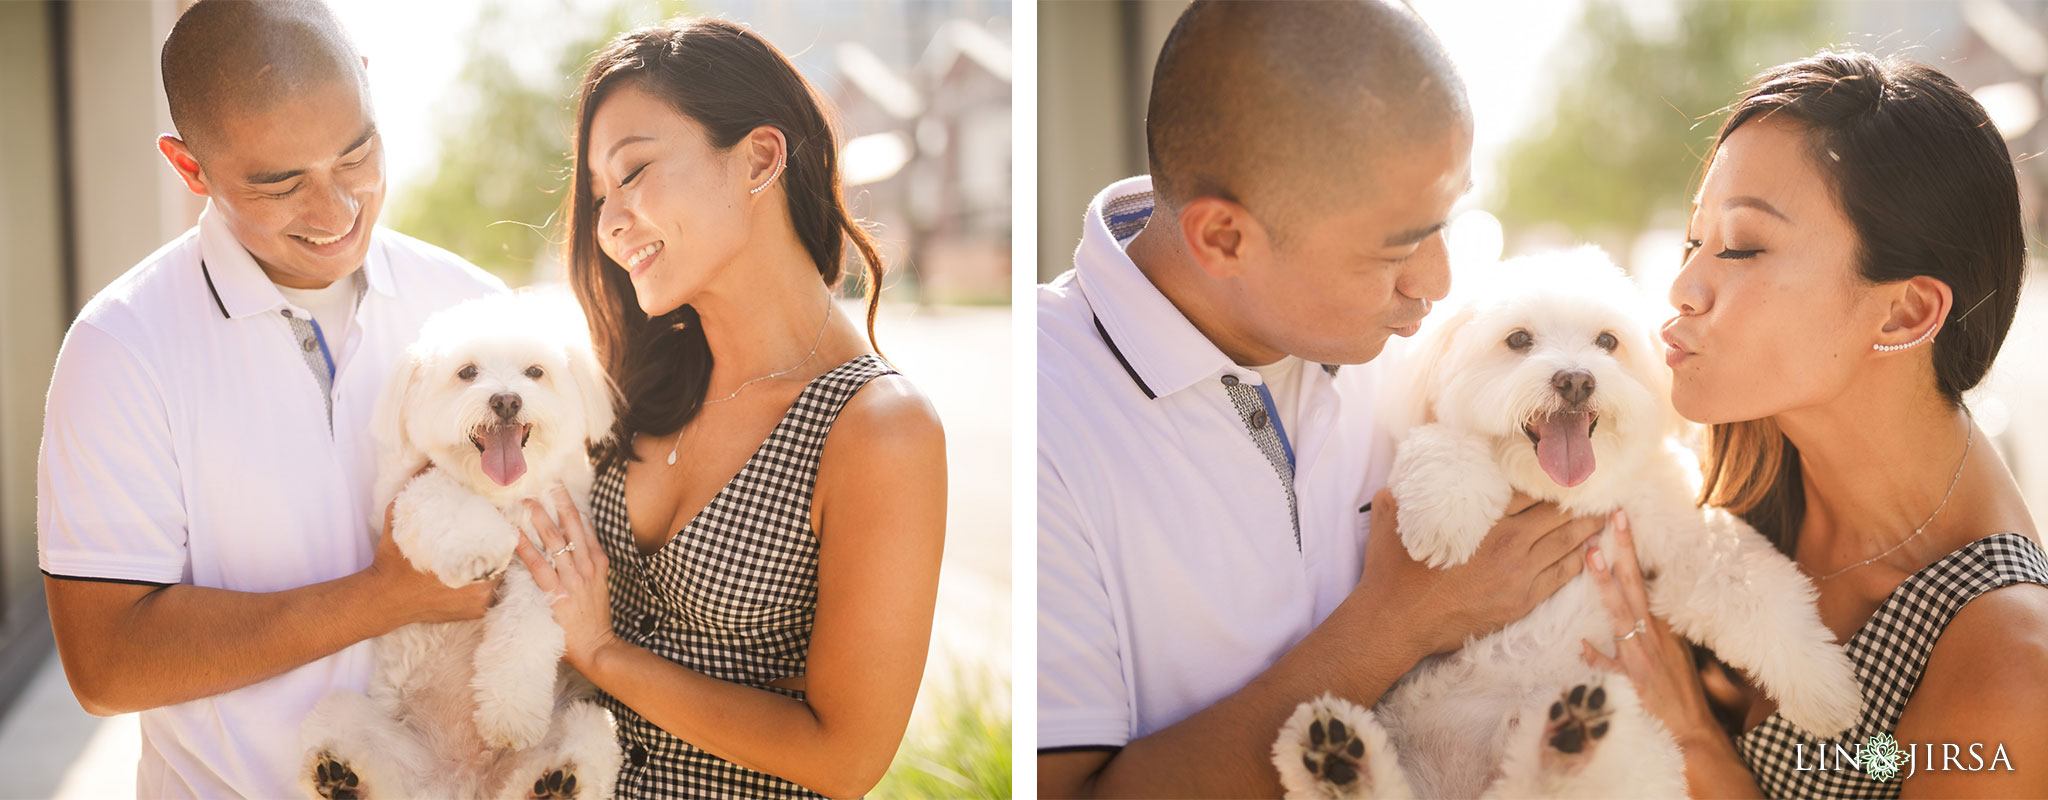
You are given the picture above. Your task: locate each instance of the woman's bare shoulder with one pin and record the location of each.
(888, 428)
(888, 409)
(1982, 685)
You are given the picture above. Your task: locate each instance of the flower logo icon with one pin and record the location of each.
(1880, 757)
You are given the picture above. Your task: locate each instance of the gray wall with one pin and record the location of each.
(1094, 72)
(83, 107)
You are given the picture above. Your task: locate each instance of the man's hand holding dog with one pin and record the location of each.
(1526, 557)
(419, 596)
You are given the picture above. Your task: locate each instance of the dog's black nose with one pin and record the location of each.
(506, 404)
(1575, 385)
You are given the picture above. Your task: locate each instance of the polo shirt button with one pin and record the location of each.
(639, 755)
(1259, 419)
(1230, 380)
(287, 313)
(310, 345)
(647, 623)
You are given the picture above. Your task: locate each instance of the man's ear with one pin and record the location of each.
(1222, 236)
(183, 163)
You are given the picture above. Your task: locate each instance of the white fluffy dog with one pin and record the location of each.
(498, 400)
(1547, 367)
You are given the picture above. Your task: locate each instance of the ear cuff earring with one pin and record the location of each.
(1891, 348)
(779, 162)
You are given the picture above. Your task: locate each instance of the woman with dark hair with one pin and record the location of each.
(1855, 261)
(754, 590)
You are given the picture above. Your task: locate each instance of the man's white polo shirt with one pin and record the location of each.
(186, 440)
(1169, 570)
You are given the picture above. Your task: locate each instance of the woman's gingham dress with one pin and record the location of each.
(1889, 653)
(732, 595)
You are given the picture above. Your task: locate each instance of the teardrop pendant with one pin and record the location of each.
(671, 458)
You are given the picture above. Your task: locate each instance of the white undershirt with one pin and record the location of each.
(333, 307)
(1283, 381)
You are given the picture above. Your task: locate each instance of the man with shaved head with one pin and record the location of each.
(1214, 543)
(210, 555)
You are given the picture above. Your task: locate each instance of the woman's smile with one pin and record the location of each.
(639, 260)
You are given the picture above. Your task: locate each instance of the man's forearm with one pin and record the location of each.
(128, 648)
(1224, 750)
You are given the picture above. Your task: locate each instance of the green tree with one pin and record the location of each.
(503, 162)
(1636, 111)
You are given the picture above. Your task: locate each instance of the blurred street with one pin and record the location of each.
(959, 356)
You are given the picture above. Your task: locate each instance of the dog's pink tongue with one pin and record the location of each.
(504, 454)
(1564, 447)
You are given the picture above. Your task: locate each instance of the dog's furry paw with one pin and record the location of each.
(333, 779)
(509, 728)
(1332, 748)
(1823, 696)
(1577, 723)
(1448, 492)
(555, 784)
(444, 529)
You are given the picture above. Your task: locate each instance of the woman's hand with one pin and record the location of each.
(575, 581)
(1656, 661)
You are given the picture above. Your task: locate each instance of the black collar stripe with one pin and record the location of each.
(1121, 360)
(216, 292)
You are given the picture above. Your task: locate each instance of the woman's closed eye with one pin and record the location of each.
(599, 204)
(1694, 245)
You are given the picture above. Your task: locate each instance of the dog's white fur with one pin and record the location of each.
(1478, 720)
(479, 708)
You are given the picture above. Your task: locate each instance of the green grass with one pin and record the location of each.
(961, 751)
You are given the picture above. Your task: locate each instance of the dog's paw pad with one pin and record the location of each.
(1577, 721)
(1335, 754)
(333, 779)
(557, 783)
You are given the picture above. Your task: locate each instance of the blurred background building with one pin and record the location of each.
(1592, 118)
(473, 100)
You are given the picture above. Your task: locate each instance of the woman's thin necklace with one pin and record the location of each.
(1930, 517)
(736, 392)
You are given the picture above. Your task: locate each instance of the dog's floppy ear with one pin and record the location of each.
(1408, 397)
(394, 450)
(595, 389)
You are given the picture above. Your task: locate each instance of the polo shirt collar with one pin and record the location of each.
(240, 288)
(1161, 349)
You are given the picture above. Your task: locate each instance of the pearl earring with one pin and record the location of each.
(1890, 348)
(771, 177)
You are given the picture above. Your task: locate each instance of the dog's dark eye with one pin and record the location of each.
(1607, 342)
(534, 372)
(1520, 340)
(468, 372)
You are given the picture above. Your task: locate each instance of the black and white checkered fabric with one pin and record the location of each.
(1251, 409)
(1889, 652)
(732, 596)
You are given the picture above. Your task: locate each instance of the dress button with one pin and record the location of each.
(1230, 380)
(639, 755)
(310, 345)
(1259, 419)
(647, 624)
